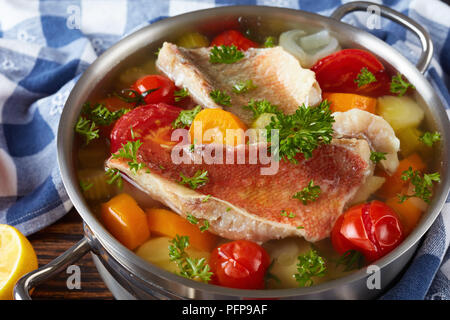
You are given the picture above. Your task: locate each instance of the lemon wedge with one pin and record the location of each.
(17, 257)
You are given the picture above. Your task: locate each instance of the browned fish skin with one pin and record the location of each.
(277, 74)
(256, 201)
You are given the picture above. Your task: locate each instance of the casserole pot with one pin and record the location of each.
(129, 276)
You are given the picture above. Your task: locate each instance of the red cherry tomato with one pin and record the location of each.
(151, 121)
(373, 229)
(165, 89)
(338, 71)
(239, 264)
(235, 37)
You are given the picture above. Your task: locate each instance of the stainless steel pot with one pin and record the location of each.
(129, 276)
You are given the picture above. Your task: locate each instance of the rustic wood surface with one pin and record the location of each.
(52, 242)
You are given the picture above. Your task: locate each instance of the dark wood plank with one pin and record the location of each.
(52, 242)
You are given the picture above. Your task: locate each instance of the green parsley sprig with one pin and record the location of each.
(199, 179)
(101, 115)
(186, 117)
(269, 42)
(351, 260)
(86, 185)
(423, 184)
(258, 107)
(309, 265)
(129, 151)
(225, 54)
(114, 176)
(220, 97)
(87, 128)
(364, 77)
(377, 156)
(301, 132)
(399, 86)
(429, 138)
(308, 194)
(181, 94)
(195, 269)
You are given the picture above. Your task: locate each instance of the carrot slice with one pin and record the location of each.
(125, 220)
(167, 223)
(347, 101)
(394, 184)
(219, 126)
(408, 211)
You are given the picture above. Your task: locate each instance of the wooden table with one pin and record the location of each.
(52, 242)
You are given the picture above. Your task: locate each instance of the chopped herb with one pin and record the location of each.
(192, 148)
(205, 226)
(365, 77)
(87, 128)
(423, 186)
(258, 107)
(400, 86)
(205, 199)
(228, 209)
(195, 269)
(225, 54)
(133, 96)
(181, 94)
(114, 177)
(351, 259)
(161, 167)
(86, 185)
(243, 86)
(199, 179)
(191, 219)
(429, 138)
(129, 151)
(309, 193)
(284, 213)
(301, 132)
(186, 117)
(309, 265)
(220, 97)
(270, 42)
(300, 227)
(158, 51)
(101, 115)
(377, 156)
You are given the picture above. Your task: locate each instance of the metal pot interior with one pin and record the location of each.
(144, 43)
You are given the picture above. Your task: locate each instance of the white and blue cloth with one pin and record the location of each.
(46, 45)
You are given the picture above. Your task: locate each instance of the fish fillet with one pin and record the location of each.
(243, 204)
(278, 77)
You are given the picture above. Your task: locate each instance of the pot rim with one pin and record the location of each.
(136, 265)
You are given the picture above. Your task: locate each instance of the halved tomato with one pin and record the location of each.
(233, 37)
(153, 121)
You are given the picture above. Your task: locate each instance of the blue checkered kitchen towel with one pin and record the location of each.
(46, 45)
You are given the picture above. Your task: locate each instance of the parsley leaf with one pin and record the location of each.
(423, 186)
(365, 77)
(181, 94)
(114, 177)
(220, 97)
(308, 193)
(377, 156)
(129, 151)
(400, 86)
(199, 179)
(225, 54)
(301, 132)
(87, 128)
(351, 259)
(186, 117)
(284, 213)
(309, 265)
(191, 219)
(243, 86)
(429, 138)
(205, 226)
(195, 269)
(86, 185)
(270, 42)
(258, 107)
(101, 115)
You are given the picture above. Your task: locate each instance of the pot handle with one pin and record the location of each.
(32, 279)
(405, 21)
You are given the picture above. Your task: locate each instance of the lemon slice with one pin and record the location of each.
(17, 257)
